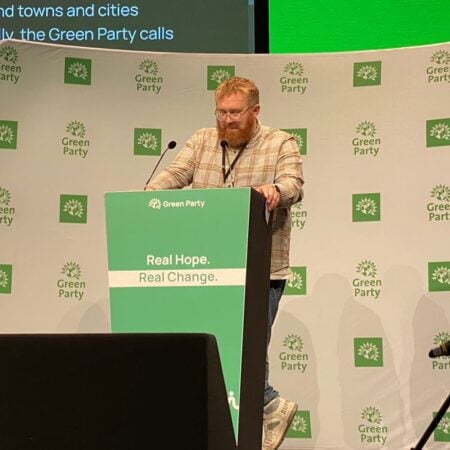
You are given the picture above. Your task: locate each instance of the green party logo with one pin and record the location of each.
(367, 74)
(439, 71)
(77, 71)
(74, 143)
(71, 285)
(218, 74)
(300, 427)
(8, 134)
(148, 79)
(366, 144)
(293, 79)
(439, 276)
(296, 283)
(6, 210)
(439, 209)
(293, 358)
(367, 284)
(6, 271)
(372, 429)
(438, 132)
(298, 216)
(441, 362)
(73, 208)
(366, 207)
(301, 137)
(9, 69)
(368, 352)
(442, 431)
(147, 141)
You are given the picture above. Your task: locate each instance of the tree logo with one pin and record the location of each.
(442, 432)
(293, 342)
(73, 208)
(296, 283)
(217, 75)
(367, 269)
(293, 78)
(300, 427)
(147, 141)
(155, 203)
(300, 135)
(441, 193)
(366, 207)
(9, 54)
(5, 278)
(439, 276)
(77, 71)
(8, 134)
(366, 129)
(438, 132)
(441, 363)
(367, 74)
(76, 129)
(441, 57)
(373, 430)
(148, 66)
(71, 270)
(5, 197)
(368, 352)
(372, 415)
(151, 81)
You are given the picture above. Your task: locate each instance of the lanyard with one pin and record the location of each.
(226, 173)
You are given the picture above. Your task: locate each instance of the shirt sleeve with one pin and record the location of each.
(289, 173)
(180, 172)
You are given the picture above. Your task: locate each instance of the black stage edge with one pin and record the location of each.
(255, 326)
(112, 392)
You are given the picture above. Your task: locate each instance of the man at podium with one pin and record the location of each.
(241, 152)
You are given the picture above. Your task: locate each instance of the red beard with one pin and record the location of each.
(236, 137)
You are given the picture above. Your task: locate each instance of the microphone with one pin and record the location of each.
(170, 146)
(442, 350)
(224, 144)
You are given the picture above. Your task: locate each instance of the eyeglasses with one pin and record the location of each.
(234, 115)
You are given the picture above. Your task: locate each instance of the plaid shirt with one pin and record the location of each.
(271, 157)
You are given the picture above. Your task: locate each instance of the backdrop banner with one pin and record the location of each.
(369, 291)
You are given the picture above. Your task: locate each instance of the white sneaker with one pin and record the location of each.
(278, 415)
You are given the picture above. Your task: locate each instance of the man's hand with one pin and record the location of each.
(271, 195)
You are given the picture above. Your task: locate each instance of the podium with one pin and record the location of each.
(197, 261)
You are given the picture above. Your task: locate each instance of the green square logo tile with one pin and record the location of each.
(442, 431)
(77, 71)
(300, 426)
(439, 276)
(301, 137)
(73, 208)
(218, 74)
(368, 352)
(147, 141)
(367, 74)
(8, 134)
(296, 283)
(366, 207)
(438, 132)
(6, 278)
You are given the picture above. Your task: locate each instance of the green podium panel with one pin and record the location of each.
(196, 261)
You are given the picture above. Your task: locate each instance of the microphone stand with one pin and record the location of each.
(434, 423)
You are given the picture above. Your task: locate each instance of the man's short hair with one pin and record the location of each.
(234, 85)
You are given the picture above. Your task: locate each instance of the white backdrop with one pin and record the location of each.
(370, 290)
